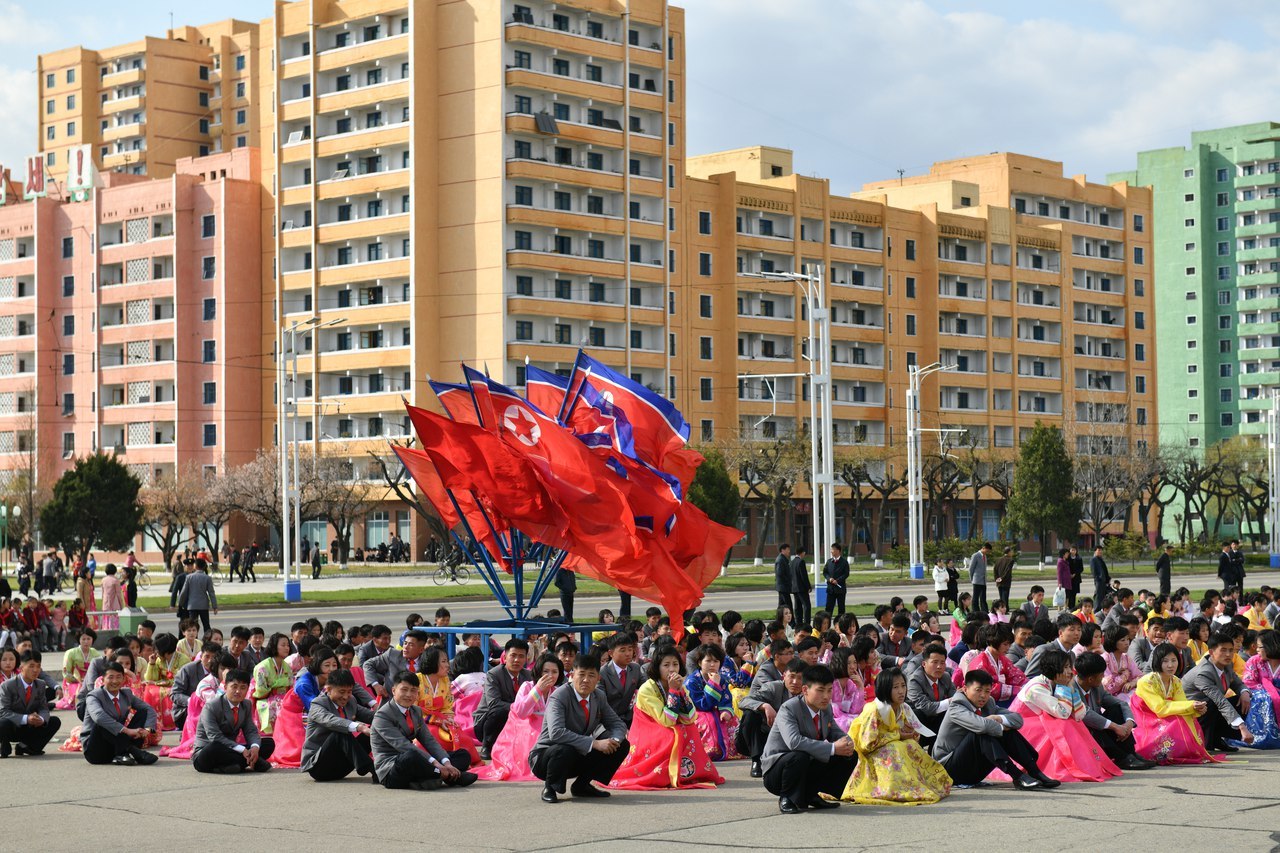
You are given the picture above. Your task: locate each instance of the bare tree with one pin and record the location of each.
(1145, 484)
(1099, 482)
(255, 490)
(402, 486)
(887, 479)
(771, 471)
(213, 507)
(342, 499)
(168, 505)
(28, 485)
(1189, 475)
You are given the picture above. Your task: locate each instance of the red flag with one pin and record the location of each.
(699, 544)
(457, 401)
(469, 458)
(423, 471)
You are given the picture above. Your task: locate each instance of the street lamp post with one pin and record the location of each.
(1273, 470)
(291, 493)
(915, 456)
(4, 534)
(821, 441)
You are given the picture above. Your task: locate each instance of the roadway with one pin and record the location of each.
(279, 618)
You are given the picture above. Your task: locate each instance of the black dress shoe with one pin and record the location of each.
(485, 753)
(787, 807)
(1045, 781)
(463, 780)
(5, 750)
(1226, 747)
(1025, 782)
(756, 770)
(549, 794)
(124, 761)
(1133, 761)
(819, 803)
(588, 791)
(559, 786)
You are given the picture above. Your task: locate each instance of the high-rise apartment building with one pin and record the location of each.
(130, 323)
(145, 105)
(1217, 233)
(1036, 286)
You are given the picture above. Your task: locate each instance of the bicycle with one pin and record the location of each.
(452, 572)
(143, 579)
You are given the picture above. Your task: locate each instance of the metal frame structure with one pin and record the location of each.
(915, 456)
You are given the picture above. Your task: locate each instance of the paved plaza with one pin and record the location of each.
(119, 808)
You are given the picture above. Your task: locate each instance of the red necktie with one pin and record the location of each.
(28, 694)
(937, 694)
(235, 717)
(585, 714)
(408, 720)
(342, 712)
(413, 666)
(1224, 684)
(515, 684)
(817, 726)
(117, 704)
(622, 674)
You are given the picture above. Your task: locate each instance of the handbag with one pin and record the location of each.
(1060, 598)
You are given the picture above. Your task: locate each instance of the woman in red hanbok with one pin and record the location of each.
(666, 750)
(509, 758)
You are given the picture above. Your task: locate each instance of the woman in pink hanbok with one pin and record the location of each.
(1053, 712)
(1122, 674)
(112, 599)
(210, 687)
(848, 694)
(466, 682)
(1168, 731)
(510, 754)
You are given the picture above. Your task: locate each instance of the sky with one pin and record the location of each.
(862, 88)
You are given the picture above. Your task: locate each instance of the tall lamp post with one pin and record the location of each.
(291, 497)
(1273, 470)
(821, 440)
(915, 456)
(4, 534)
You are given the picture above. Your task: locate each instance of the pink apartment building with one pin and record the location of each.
(131, 322)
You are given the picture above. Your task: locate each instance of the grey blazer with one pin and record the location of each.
(185, 682)
(392, 736)
(197, 593)
(765, 693)
(621, 699)
(1033, 666)
(366, 652)
(383, 669)
(768, 671)
(499, 691)
(1204, 683)
(962, 718)
(215, 725)
(324, 720)
(891, 653)
(1140, 651)
(564, 724)
(794, 731)
(100, 712)
(920, 694)
(14, 707)
(1097, 702)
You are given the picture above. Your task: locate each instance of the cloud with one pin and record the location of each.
(860, 87)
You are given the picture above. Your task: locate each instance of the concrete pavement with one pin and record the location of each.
(70, 805)
(279, 618)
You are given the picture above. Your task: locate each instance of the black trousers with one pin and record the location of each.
(799, 776)
(247, 569)
(934, 722)
(624, 606)
(566, 606)
(414, 766)
(561, 762)
(977, 755)
(803, 608)
(835, 600)
(1071, 598)
(202, 615)
(1003, 591)
(752, 733)
(1166, 582)
(1115, 748)
(102, 746)
(979, 597)
(215, 756)
(339, 755)
(1215, 727)
(491, 725)
(179, 716)
(784, 600)
(34, 738)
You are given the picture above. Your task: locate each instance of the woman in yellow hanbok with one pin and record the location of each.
(893, 769)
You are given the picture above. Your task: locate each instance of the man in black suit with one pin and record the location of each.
(836, 572)
(801, 585)
(782, 581)
(567, 582)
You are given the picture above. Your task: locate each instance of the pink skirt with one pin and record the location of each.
(70, 689)
(290, 732)
(187, 745)
(1067, 751)
(510, 753)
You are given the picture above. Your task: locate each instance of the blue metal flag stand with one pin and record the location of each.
(516, 549)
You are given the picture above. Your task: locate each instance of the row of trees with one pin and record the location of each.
(1050, 485)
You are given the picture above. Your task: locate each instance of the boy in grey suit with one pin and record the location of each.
(978, 736)
(397, 762)
(807, 753)
(567, 746)
(338, 729)
(500, 687)
(760, 709)
(1214, 682)
(24, 710)
(621, 677)
(224, 722)
(197, 595)
(111, 734)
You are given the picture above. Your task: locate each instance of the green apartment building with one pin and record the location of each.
(1216, 206)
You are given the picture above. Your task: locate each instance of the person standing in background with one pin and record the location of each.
(801, 586)
(1164, 570)
(782, 582)
(1004, 573)
(978, 576)
(836, 571)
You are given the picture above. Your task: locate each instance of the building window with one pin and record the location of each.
(1139, 287)
(1223, 223)
(704, 222)
(210, 435)
(1224, 322)
(68, 364)
(208, 225)
(1140, 384)
(524, 196)
(911, 287)
(524, 285)
(704, 263)
(1139, 320)
(1227, 419)
(564, 333)
(210, 310)
(209, 351)
(1191, 321)
(68, 444)
(210, 393)
(239, 61)
(1139, 352)
(68, 247)
(208, 267)
(704, 388)
(68, 285)
(69, 325)
(524, 330)
(704, 305)
(911, 250)
(704, 348)
(1221, 175)
(1224, 346)
(911, 324)
(1224, 370)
